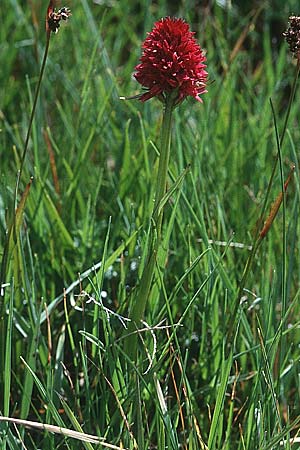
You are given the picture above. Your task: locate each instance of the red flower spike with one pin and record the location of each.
(172, 59)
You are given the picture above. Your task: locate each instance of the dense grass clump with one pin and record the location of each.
(217, 365)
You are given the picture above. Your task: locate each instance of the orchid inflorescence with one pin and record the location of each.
(171, 60)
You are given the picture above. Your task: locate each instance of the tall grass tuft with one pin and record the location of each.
(217, 365)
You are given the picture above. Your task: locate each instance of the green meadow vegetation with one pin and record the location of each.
(217, 365)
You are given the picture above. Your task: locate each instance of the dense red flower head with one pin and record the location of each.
(172, 59)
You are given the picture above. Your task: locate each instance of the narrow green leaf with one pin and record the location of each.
(215, 432)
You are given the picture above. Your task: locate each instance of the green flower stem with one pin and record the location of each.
(155, 228)
(37, 91)
(19, 174)
(5, 257)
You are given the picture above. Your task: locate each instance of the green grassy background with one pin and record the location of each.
(93, 160)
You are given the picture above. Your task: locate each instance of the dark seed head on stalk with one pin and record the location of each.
(292, 35)
(54, 18)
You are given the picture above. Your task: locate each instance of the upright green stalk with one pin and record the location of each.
(155, 227)
(20, 171)
(14, 226)
(37, 91)
(163, 162)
